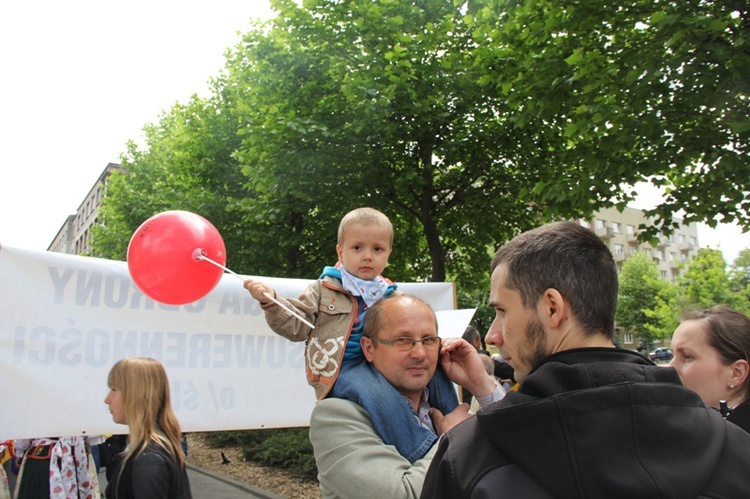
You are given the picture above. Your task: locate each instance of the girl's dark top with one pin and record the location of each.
(153, 474)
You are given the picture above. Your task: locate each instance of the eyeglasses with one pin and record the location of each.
(405, 343)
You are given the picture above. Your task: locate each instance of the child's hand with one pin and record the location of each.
(257, 289)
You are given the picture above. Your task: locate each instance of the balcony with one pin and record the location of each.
(686, 247)
(604, 232)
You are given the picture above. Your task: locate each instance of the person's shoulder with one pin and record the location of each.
(330, 282)
(156, 453)
(342, 423)
(318, 283)
(330, 272)
(154, 449)
(729, 478)
(337, 407)
(335, 416)
(152, 455)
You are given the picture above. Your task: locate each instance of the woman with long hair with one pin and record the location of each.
(712, 356)
(153, 464)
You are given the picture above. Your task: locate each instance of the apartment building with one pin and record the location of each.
(619, 230)
(73, 236)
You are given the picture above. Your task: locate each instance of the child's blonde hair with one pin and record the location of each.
(365, 216)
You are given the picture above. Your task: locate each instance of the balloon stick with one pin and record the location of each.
(198, 255)
(277, 302)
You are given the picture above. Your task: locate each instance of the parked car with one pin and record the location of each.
(661, 353)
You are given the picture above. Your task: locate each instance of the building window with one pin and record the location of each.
(630, 229)
(681, 238)
(584, 223)
(615, 227)
(600, 224)
(659, 255)
(663, 274)
(672, 256)
(693, 241)
(627, 338)
(619, 248)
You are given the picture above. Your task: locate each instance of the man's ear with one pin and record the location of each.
(367, 346)
(553, 307)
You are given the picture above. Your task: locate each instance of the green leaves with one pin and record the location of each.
(653, 307)
(464, 122)
(640, 285)
(706, 282)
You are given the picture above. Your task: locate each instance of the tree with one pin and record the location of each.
(740, 270)
(640, 285)
(739, 277)
(465, 122)
(187, 164)
(452, 113)
(706, 282)
(655, 90)
(379, 102)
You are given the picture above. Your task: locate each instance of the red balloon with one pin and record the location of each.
(163, 257)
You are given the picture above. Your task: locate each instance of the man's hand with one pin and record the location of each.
(463, 366)
(444, 423)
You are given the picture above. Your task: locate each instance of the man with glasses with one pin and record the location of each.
(588, 419)
(401, 343)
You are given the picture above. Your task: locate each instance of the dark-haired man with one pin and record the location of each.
(589, 419)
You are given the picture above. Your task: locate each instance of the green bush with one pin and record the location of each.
(241, 438)
(287, 448)
(290, 449)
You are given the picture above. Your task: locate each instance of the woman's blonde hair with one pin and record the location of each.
(144, 393)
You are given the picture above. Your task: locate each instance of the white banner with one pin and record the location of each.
(65, 320)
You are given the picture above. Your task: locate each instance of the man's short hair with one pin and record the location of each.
(488, 363)
(375, 318)
(570, 259)
(471, 334)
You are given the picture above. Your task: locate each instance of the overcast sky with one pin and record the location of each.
(81, 78)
